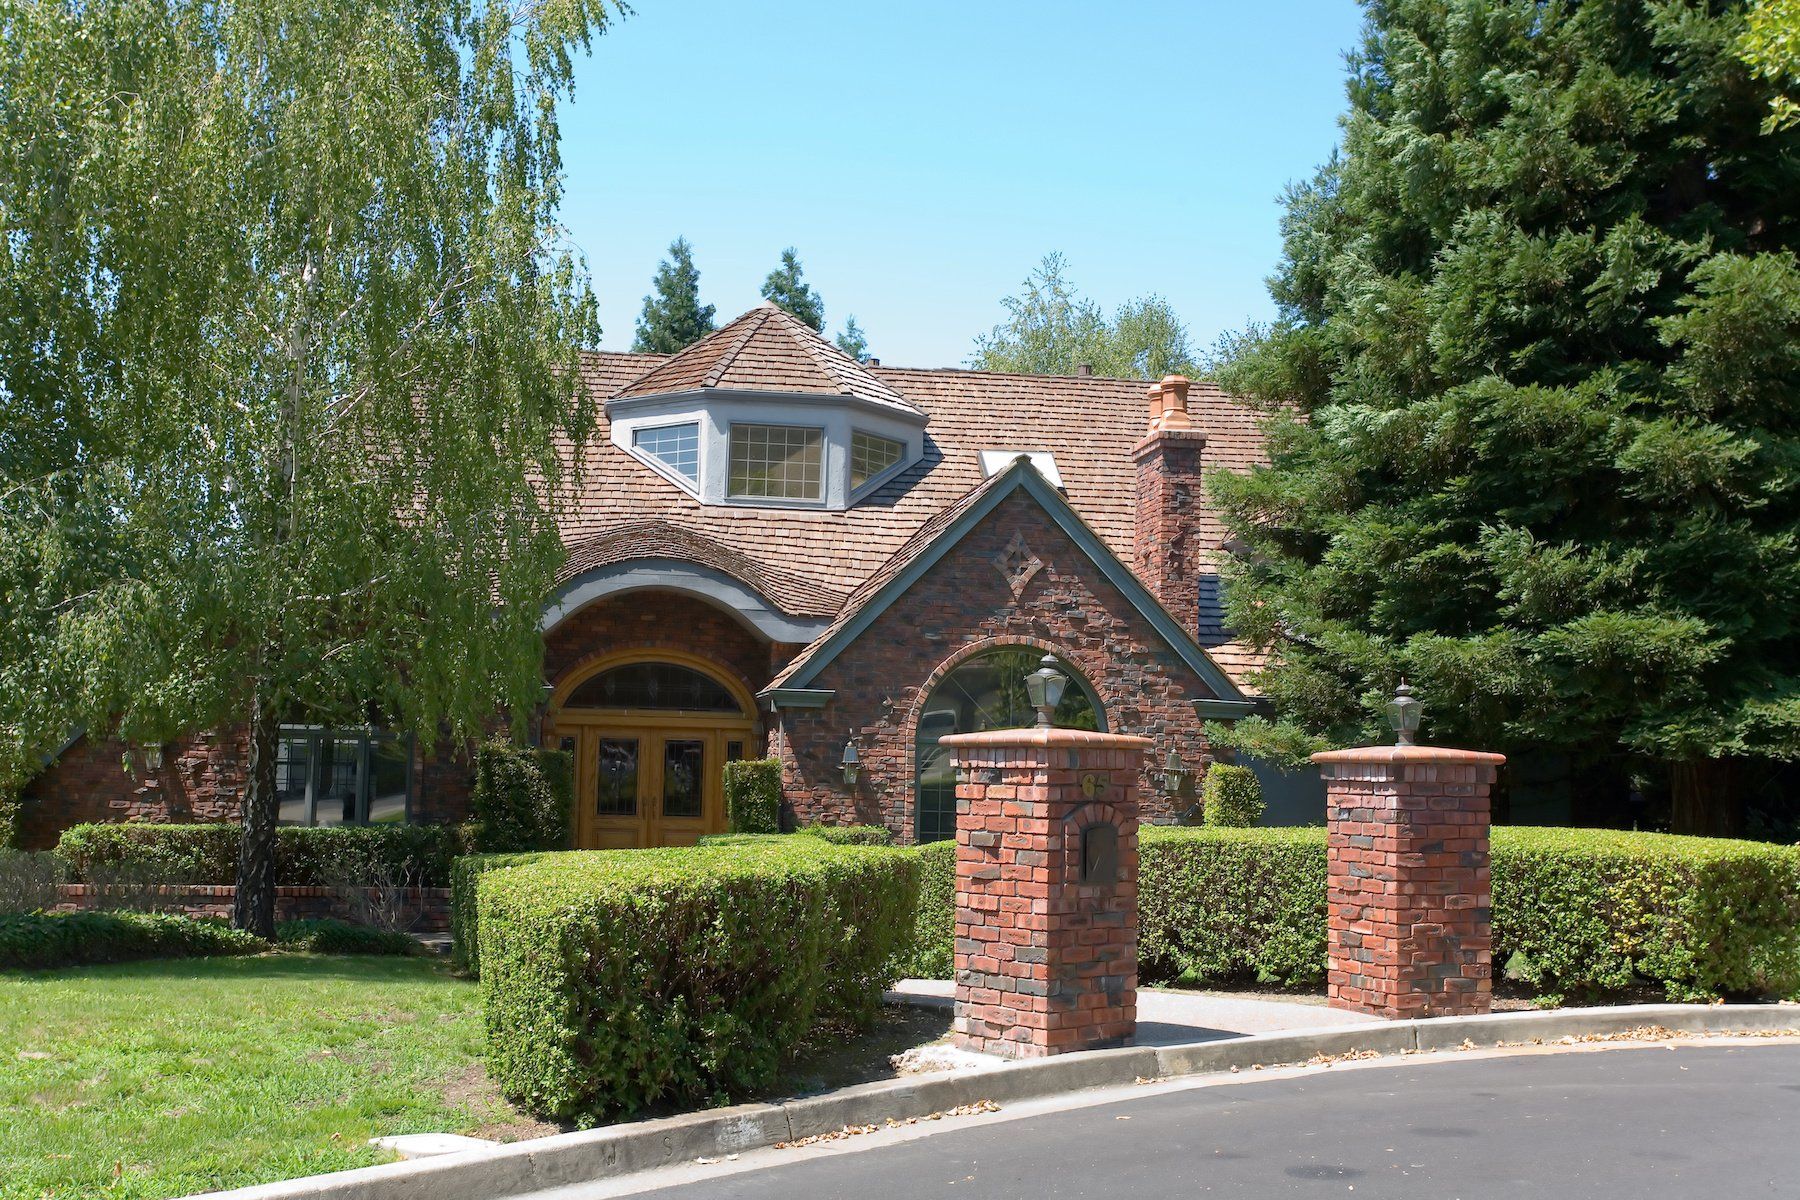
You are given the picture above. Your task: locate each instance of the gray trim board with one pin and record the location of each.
(792, 697)
(675, 575)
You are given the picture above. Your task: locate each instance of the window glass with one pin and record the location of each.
(684, 767)
(342, 776)
(340, 782)
(870, 455)
(986, 692)
(389, 761)
(618, 778)
(653, 685)
(293, 776)
(675, 446)
(778, 462)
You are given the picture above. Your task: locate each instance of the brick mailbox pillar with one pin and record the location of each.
(1409, 894)
(1046, 890)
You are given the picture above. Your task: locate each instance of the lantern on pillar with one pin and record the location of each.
(1045, 688)
(1403, 714)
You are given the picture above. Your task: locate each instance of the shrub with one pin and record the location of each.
(616, 979)
(38, 941)
(29, 882)
(932, 952)
(1231, 797)
(330, 936)
(10, 815)
(465, 925)
(1593, 910)
(850, 835)
(304, 857)
(521, 799)
(753, 795)
(1223, 904)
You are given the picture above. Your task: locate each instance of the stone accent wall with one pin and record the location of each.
(962, 605)
(1046, 950)
(1410, 897)
(291, 903)
(1171, 494)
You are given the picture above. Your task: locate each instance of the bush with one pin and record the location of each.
(521, 799)
(39, 941)
(10, 815)
(330, 936)
(753, 795)
(465, 925)
(1593, 910)
(932, 952)
(850, 835)
(1230, 904)
(616, 979)
(1231, 797)
(30, 882)
(304, 857)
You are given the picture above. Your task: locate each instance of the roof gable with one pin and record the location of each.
(767, 350)
(939, 535)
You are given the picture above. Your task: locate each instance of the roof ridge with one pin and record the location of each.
(752, 321)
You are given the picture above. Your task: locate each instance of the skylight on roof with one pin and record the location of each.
(995, 461)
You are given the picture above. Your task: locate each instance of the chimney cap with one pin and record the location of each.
(1084, 370)
(871, 361)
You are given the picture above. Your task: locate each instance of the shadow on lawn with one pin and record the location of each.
(275, 966)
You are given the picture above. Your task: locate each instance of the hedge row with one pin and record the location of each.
(39, 941)
(617, 979)
(753, 795)
(465, 921)
(521, 800)
(1581, 911)
(304, 857)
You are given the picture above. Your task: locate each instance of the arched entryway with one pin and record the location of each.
(651, 733)
(984, 691)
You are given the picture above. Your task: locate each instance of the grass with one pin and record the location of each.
(159, 1079)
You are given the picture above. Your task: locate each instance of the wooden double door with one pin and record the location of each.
(652, 782)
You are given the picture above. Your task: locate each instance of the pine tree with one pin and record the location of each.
(786, 288)
(1542, 321)
(673, 317)
(852, 340)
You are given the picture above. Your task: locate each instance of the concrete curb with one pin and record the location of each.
(567, 1159)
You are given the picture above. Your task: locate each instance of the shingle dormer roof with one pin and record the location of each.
(767, 350)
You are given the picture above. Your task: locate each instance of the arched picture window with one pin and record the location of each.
(986, 692)
(654, 685)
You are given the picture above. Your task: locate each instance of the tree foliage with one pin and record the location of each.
(1051, 329)
(673, 317)
(1534, 396)
(288, 354)
(1771, 45)
(852, 340)
(785, 288)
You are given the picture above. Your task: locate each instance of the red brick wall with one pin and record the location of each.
(961, 606)
(202, 780)
(1046, 960)
(1409, 895)
(1171, 492)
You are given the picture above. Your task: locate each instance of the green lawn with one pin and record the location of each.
(163, 1078)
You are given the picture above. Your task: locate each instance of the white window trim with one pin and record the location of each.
(826, 466)
(690, 486)
(906, 459)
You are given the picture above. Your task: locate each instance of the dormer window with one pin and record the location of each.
(776, 462)
(676, 447)
(870, 457)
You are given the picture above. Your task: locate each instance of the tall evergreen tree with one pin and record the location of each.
(288, 360)
(1542, 321)
(1051, 329)
(852, 340)
(786, 288)
(673, 317)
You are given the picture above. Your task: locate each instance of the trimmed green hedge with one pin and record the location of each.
(617, 979)
(1231, 797)
(327, 935)
(521, 799)
(39, 941)
(465, 927)
(753, 795)
(850, 835)
(304, 857)
(932, 954)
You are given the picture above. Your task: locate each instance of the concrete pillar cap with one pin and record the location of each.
(1376, 755)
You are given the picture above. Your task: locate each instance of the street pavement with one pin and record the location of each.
(1642, 1123)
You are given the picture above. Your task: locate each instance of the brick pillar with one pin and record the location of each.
(1410, 900)
(1046, 890)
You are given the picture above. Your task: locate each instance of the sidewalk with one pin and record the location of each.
(1167, 1017)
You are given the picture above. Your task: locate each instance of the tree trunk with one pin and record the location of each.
(254, 906)
(1701, 800)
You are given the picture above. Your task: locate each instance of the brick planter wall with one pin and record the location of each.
(1046, 890)
(291, 903)
(1410, 898)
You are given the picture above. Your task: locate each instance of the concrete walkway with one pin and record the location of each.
(1167, 1017)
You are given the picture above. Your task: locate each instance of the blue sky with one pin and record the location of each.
(922, 157)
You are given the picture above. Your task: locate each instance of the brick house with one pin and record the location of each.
(780, 550)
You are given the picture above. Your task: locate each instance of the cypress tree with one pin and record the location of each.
(788, 290)
(673, 317)
(1535, 400)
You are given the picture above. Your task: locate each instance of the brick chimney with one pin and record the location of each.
(1170, 492)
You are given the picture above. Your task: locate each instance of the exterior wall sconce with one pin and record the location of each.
(1175, 776)
(1045, 688)
(153, 757)
(1403, 713)
(852, 762)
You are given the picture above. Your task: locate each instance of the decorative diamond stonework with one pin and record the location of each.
(1017, 564)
